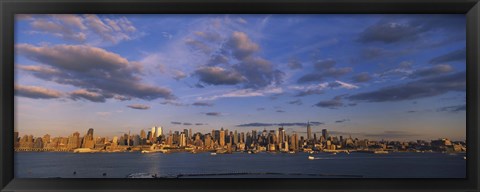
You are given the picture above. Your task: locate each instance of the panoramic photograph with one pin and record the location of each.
(174, 96)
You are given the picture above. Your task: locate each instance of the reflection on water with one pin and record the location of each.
(238, 165)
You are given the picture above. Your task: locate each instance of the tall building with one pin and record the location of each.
(152, 133)
(183, 139)
(309, 132)
(73, 141)
(281, 135)
(158, 131)
(88, 141)
(325, 134)
(143, 135)
(222, 138)
(38, 144)
(186, 133)
(235, 137)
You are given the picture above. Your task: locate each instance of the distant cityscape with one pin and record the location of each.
(225, 141)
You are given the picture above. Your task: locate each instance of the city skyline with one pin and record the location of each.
(398, 77)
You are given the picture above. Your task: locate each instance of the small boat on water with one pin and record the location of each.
(213, 153)
(464, 157)
(334, 153)
(311, 158)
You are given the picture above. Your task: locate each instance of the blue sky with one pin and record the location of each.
(369, 76)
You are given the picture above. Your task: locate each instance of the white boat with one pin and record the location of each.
(311, 158)
(380, 152)
(334, 153)
(464, 157)
(213, 153)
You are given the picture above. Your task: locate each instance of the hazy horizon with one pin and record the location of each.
(399, 77)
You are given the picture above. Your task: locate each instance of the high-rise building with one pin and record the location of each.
(46, 139)
(143, 135)
(152, 133)
(115, 142)
(222, 138)
(186, 133)
(309, 132)
(183, 139)
(325, 134)
(73, 141)
(38, 144)
(88, 141)
(136, 140)
(235, 137)
(281, 135)
(158, 131)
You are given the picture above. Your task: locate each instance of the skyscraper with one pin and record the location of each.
(183, 139)
(222, 138)
(143, 135)
(88, 141)
(281, 135)
(158, 131)
(153, 134)
(325, 134)
(309, 132)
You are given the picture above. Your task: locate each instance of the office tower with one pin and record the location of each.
(186, 133)
(190, 133)
(88, 141)
(309, 132)
(213, 134)
(281, 135)
(115, 142)
(242, 137)
(143, 135)
(183, 140)
(73, 141)
(136, 140)
(314, 138)
(158, 131)
(46, 139)
(208, 142)
(254, 135)
(222, 137)
(153, 134)
(325, 134)
(235, 137)
(38, 144)
(294, 142)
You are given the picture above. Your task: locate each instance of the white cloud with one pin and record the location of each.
(244, 93)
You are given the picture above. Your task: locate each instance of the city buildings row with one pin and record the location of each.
(227, 141)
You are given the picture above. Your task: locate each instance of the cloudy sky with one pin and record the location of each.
(369, 76)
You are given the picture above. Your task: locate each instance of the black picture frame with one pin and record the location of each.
(8, 8)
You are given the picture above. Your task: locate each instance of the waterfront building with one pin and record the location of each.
(222, 137)
(158, 131)
(38, 144)
(143, 135)
(325, 134)
(183, 140)
(88, 141)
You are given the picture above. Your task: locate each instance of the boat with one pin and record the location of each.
(464, 157)
(213, 153)
(334, 153)
(311, 158)
(380, 152)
